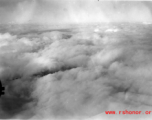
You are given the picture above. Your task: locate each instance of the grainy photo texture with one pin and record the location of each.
(76, 60)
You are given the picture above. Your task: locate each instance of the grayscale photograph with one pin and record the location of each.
(75, 60)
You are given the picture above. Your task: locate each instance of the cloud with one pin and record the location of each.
(91, 11)
(75, 73)
(25, 11)
(79, 71)
(74, 12)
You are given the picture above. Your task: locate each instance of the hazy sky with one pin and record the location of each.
(73, 11)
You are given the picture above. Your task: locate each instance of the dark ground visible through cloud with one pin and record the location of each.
(74, 73)
(75, 59)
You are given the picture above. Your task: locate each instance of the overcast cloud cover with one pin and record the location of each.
(75, 11)
(78, 71)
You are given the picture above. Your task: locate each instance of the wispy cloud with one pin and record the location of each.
(75, 11)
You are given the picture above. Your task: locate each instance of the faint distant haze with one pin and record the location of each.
(74, 11)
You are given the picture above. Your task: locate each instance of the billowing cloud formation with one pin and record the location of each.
(74, 12)
(77, 72)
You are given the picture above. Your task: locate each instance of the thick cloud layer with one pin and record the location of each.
(77, 72)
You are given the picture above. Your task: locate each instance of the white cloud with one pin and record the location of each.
(75, 11)
(76, 73)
